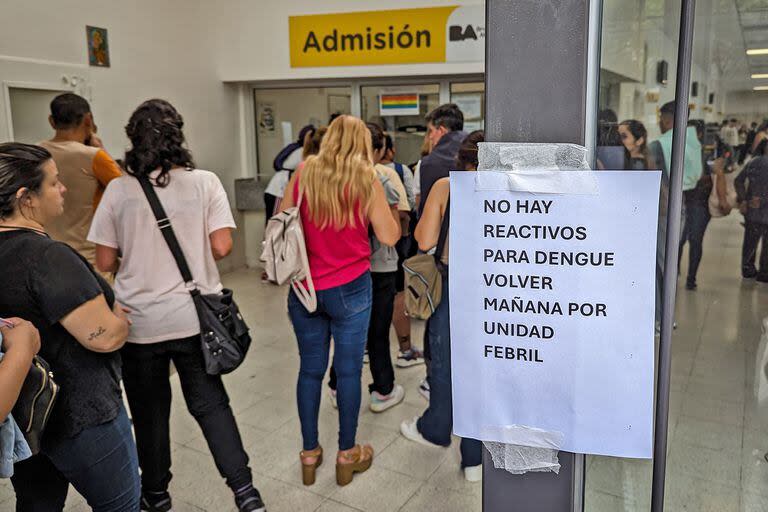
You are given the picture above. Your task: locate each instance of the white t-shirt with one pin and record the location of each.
(417, 179)
(277, 183)
(149, 283)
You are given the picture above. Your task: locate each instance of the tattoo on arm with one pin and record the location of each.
(95, 334)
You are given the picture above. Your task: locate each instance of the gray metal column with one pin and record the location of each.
(682, 87)
(536, 90)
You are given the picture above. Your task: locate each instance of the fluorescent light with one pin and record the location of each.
(760, 75)
(758, 51)
(760, 88)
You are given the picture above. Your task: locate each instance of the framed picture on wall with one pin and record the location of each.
(98, 46)
(266, 118)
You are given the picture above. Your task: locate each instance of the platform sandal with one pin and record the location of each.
(308, 469)
(355, 460)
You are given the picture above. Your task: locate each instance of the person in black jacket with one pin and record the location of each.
(752, 196)
(445, 127)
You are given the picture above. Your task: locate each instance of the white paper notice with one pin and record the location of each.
(552, 313)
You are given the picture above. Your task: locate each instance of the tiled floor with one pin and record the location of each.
(718, 434)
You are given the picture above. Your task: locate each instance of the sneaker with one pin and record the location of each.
(473, 473)
(156, 501)
(380, 403)
(410, 357)
(332, 395)
(248, 499)
(410, 431)
(690, 285)
(366, 359)
(424, 389)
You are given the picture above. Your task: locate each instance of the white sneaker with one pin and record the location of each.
(332, 395)
(410, 431)
(424, 389)
(473, 473)
(380, 403)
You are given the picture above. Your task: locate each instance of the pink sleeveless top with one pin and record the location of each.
(336, 257)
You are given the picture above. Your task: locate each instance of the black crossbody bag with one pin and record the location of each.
(223, 333)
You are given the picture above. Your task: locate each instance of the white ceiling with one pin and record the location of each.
(753, 18)
(738, 25)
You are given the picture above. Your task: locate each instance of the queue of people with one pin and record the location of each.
(722, 171)
(72, 222)
(94, 291)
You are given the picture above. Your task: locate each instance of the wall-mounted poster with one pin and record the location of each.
(266, 118)
(98, 46)
(471, 105)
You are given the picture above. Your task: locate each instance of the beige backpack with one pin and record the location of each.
(423, 277)
(285, 255)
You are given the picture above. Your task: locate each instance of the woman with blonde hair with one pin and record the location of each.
(339, 196)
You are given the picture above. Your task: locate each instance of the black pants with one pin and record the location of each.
(696, 221)
(148, 388)
(754, 232)
(269, 207)
(380, 359)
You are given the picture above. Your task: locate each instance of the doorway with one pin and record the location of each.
(29, 111)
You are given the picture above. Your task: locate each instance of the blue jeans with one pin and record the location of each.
(344, 313)
(436, 424)
(100, 462)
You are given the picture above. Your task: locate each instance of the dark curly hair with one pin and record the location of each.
(155, 131)
(21, 166)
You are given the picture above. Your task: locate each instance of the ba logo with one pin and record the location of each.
(459, 33)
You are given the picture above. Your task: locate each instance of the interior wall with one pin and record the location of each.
(299, 107)
(747, 106)
(623, 38)
(158, 49)
(166, 54)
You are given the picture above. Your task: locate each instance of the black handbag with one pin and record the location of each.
(223, 333)
(35, 403)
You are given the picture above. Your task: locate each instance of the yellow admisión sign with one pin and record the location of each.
(406, 36)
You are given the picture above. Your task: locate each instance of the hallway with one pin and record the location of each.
(718, 434)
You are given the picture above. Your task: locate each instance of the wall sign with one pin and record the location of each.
(404, 36)
(266, 118)
(555, 293)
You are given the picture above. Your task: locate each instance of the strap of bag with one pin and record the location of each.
(167, 230)
(443, 232)
(400, 171)
(307, 296)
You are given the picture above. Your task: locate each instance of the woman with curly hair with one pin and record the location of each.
(165, 323)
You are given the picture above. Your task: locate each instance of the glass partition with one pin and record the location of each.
(637, 77)
(281, 113)
(470, 97)
(718, 423)
(405, 122)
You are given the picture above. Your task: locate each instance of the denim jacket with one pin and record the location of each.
(13, 446)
